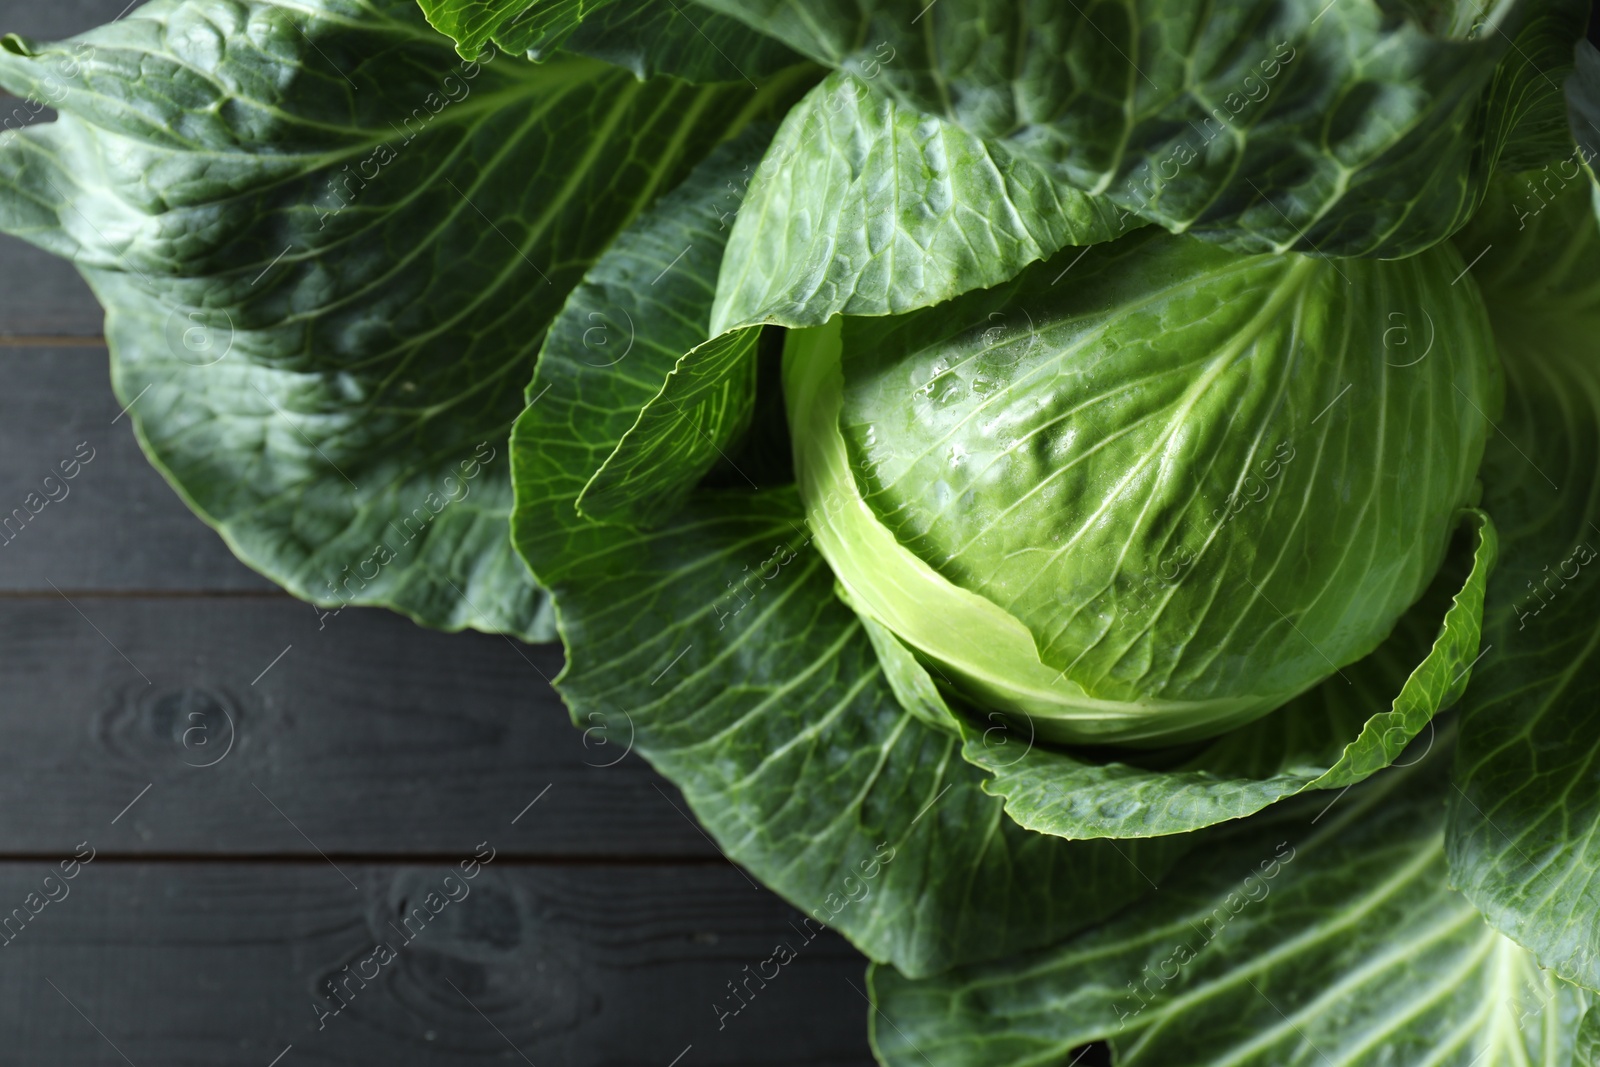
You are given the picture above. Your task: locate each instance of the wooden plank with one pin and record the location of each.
(222, 964)
(42, 295)
(58, 18)
(116, 524)
(261, 729)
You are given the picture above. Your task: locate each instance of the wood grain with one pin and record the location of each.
(213, 966)
(117, 525)
(373, 735)
(43, 297)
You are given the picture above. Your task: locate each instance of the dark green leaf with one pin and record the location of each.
(1583, 101)
(648, 37)
(471, 23)
(328, 250)
(1346, 128)
(1527, 99)
(702, 409)
(1525, 810)
(1331, 939)
(677, 37)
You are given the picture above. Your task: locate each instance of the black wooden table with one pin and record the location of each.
(266, 797)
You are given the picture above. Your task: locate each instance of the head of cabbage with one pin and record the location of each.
(1152, 498)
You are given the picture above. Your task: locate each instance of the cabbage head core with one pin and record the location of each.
(1152, 496)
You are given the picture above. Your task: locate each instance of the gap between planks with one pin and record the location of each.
(375, 859)
(146, 594)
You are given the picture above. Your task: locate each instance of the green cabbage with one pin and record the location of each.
(1094, 503)
(1155, 503)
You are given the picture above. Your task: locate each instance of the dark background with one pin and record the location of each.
(369, 760)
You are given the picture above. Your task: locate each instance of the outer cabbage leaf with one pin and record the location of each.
(648, 37)
(702, 409)
(677, 37)
(1351, 128)
(909, 679)
(1525, 813)
(328, 250)
(1180, 481)
(472, 23)
(1331, 939)
(1588, 1043)
(861, 207)
(1527, 98)
(717, 646)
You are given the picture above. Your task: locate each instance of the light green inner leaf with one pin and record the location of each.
(1158, 503)
(702, 409)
